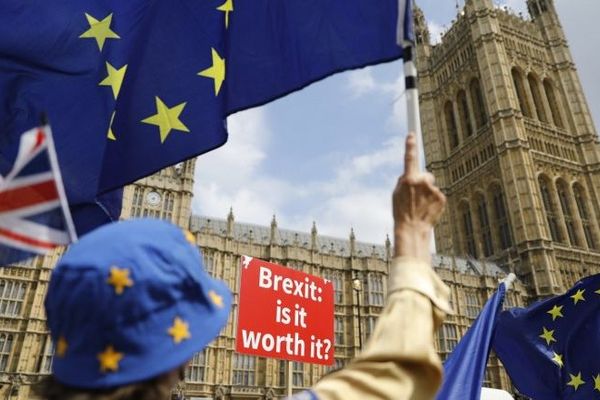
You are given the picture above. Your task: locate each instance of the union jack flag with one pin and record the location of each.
(34, 214)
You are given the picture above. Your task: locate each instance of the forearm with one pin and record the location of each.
(399, 361)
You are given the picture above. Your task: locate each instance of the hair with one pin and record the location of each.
(158, 388)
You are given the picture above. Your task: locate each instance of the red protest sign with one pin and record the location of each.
(284, 313)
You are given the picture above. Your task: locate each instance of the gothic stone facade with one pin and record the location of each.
(509, 136)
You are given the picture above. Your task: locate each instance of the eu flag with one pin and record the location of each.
(133, 86)
(551, 350)
(465, 367)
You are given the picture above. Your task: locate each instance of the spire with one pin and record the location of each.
(273, 239)
(352, 242)
(230, 222)
(313, 236)
(421, 28)
(388, 247)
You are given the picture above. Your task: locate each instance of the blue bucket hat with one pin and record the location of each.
(131, 301)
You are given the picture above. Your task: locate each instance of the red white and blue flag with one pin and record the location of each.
(34, 215)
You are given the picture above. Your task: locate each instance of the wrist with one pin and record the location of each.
(413, 242)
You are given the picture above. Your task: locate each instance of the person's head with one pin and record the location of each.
(127, 307)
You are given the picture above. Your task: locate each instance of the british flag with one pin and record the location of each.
(34, 215)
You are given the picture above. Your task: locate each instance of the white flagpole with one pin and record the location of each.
(59, 183)
(410, 72)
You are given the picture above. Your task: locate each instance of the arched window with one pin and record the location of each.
(195, 371)
(478, 103)
(168, 206)
(521, 95)
(554, 108)
(484, 223)
(537, 97)
(550, 208)
(585, 216)
(565, 205)
(465, 116)
(138, 199)
(451, 124)
(469, 235)
(502, 221)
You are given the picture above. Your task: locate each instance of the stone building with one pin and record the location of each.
(509, 136)
(510, 139)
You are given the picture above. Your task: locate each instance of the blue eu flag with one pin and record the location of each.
(465, 367)
(551, 350)
(131, 87)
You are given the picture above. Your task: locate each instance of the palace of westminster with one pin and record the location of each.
(508, 135)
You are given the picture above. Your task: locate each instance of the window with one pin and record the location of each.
(370, 323)
(282, 372)
(550, 209)
(339, 330)
(521, 95)
(565, 205)
(46, 356)
(552, 102)
(447, 338)
(195, 372)
(138, 199)
(451, 125)
(6, 343)
(478, 103)
(473, 304)
(298, 374)
(338, 289)
(470, 247)
(244, 370)
(502, 222)
(537, 97)
(12, 295)
(168, 205)
(486, 233)
(584, 214)
(375, 288)
(465, 116)
(209, 262)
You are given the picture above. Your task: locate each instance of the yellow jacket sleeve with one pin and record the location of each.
(399, 361)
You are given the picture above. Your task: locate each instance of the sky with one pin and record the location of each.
(332, 152)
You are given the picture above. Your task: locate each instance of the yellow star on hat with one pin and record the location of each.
(109, 359)
(119, 278)
(61, 347)
(180, 331)
(216, 299)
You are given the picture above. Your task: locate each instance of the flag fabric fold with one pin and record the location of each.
(34, 217)
(551, 349)
(134, 86)
(464, 369)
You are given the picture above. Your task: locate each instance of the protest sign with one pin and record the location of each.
(284, 313)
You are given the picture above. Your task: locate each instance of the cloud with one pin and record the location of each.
(435, 32)
(357, 194)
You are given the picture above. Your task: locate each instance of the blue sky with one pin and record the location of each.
(332, 152)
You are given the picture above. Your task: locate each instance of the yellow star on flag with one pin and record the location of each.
(577, 297)
(597, 291)
(216, 299)
(61, 347)
(216, 72)
(99, 30)
(548, 336)
(226, 7)
(111, 134)
(597, 383)
(558, 359)
(109, 360)
(180, 331)
(576, 381)
(167, 119)
(556, 312)
(115, 78)
(119, 278)
(189, 236)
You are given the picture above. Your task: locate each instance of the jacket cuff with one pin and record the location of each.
(412, 274)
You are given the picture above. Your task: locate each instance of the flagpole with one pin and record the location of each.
(412, 94)
(59, 182)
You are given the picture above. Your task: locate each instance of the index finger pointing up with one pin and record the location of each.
(411, 164)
